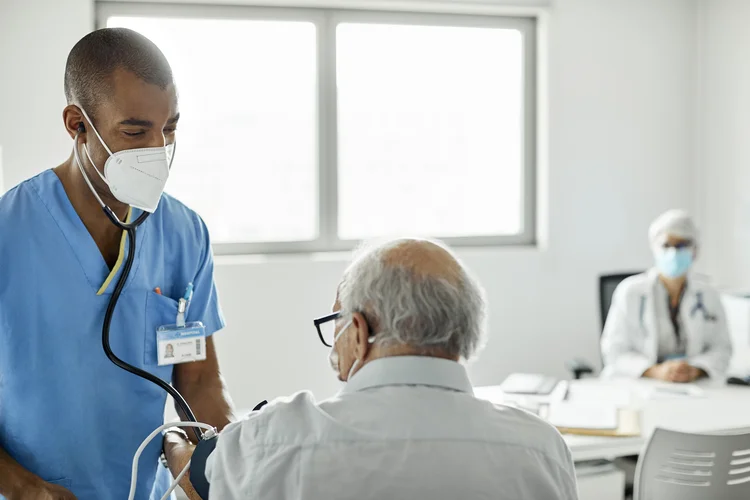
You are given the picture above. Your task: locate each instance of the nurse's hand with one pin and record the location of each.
(694, 373)
(662, 371)
(678, 371)
(683, 372)
(668, 371)
(45, 491)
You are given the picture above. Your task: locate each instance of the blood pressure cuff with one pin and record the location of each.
(198, 465)
(200, 456)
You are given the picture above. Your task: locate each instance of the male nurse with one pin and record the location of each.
(70, 420)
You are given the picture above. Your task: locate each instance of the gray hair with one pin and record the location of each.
(419, 310)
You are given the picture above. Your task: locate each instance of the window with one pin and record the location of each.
(307, 130)
(247, 140)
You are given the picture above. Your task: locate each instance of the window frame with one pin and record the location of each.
(326, 21)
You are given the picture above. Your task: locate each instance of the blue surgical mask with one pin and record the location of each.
(673, 262)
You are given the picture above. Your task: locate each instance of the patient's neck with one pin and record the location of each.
(378, 351)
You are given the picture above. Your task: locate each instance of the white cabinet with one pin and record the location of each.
(600, 482)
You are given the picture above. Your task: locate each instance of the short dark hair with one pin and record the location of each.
(96, 56)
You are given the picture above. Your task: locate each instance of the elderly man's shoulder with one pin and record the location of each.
(515, 426)
(286, 418)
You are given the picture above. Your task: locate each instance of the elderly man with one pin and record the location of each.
(406, 424)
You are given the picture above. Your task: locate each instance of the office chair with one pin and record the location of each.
(607, 285)
(684, 466)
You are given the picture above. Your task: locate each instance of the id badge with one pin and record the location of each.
(181, 344)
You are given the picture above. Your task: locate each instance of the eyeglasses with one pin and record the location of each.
(678, 245)
(326, 327)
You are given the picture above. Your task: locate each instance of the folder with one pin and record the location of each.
(590, 420)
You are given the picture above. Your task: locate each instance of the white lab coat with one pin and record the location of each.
(630, 341)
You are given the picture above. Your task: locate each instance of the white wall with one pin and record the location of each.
(725, 160)
(35, 38)
(620, 150)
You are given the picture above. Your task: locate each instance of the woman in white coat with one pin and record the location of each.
(663, 324)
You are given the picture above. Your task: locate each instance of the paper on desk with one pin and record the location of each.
(669, 391)
(602, 392)
(496, 395)
(583, 416)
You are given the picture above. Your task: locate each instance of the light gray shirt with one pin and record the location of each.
(402, 428)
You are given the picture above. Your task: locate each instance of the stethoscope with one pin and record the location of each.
(130, 229)
(699, 306)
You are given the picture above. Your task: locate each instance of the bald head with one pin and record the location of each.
(423, 258)
(416, 293)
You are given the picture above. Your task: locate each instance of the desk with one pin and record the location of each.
(720, 408)
(606, 448)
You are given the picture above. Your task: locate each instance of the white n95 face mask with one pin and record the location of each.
(136, 177)
(333, 356)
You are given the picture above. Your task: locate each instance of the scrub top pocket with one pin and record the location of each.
(160, 311)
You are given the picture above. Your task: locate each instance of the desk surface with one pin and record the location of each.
(718, 408)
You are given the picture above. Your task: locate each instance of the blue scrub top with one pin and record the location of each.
(67, 413)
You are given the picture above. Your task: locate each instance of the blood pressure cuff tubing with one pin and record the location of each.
(200, 456)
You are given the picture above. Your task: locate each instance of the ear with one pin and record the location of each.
(361, 336)
(73, 120)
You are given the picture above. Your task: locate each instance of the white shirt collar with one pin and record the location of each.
(410, 370)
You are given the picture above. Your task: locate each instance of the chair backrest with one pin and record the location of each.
(683, 466)
(607, 285)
